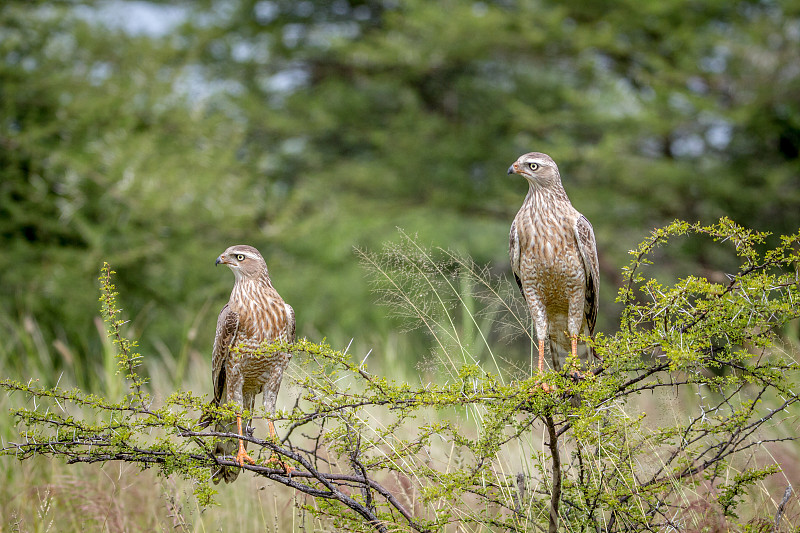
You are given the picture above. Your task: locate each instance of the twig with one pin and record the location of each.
(786, 495)
(555, 491)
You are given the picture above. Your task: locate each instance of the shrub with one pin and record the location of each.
(689, 397)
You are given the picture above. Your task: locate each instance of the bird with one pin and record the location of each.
(553, 256)
(254, 314)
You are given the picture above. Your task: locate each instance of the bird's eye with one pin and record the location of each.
(534, 166)
(239, 257)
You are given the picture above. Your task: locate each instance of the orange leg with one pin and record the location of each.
(541, 356)
(242, 456)
(544, 386)
(576, 374)
(274, 458)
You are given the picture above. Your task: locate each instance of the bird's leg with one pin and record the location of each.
(541, 355)
(577, 374)
(242, 456)
(544, 386)
(274, 457)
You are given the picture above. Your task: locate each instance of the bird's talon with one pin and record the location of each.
(576, 375)
(242, 456)
(543, 386)
(287, 468)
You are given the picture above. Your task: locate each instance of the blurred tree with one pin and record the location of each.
(307, 128)
(101, 158)
(653, 110)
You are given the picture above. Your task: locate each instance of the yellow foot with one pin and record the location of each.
(275, 459)
(242, 456)
(576, 375)
(542, 385)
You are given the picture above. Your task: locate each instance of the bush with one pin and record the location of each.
(688, 401)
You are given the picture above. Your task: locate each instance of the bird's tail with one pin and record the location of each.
(226, 447)
(206, 418)
(593, 353)
(551, 348)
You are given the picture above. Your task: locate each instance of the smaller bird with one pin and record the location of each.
(254, 314)
(554, 258)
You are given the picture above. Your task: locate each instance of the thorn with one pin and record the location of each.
(365, 357)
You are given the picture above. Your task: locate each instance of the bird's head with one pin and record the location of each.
(538, 168)
(244, 261)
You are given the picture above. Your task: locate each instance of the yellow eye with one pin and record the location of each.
(534, 166)
(239, 257)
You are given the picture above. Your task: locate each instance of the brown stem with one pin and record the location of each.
(555, 494)
(786, 495)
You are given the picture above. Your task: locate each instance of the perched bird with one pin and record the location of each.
(255, 313)
(554, 258)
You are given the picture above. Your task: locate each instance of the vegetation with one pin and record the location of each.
(309, 128)
(153, 135)
(374, 453)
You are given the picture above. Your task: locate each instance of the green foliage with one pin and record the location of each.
(127, 360)
(733, 493)
(463, 443)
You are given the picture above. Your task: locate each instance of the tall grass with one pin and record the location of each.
(471, 317)
(42, 495)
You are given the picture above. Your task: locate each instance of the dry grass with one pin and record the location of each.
(45, 496)
(700, 510)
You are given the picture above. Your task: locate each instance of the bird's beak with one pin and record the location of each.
(219, 260)
(512, 169)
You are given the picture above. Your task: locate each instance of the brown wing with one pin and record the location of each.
(227, 326)
(513, 253)
(588, 250)
(290, 323)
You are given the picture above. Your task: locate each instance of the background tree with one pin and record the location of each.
(309, 128)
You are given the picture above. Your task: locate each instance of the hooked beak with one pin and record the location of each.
(512, 169)
(219, 260)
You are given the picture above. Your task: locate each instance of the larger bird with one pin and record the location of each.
(554, 258)
(254, 314)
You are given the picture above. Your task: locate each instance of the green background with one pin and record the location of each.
(154, 135)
